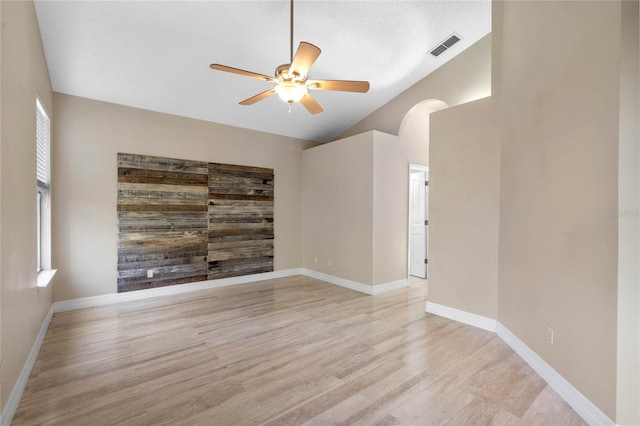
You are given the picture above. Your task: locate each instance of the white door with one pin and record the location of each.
(418, 224)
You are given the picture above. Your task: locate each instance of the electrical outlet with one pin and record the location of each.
(315, 259)
(149, 273)
(550, 335)
(328, 262)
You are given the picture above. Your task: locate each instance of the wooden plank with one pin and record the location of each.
(158, 262)
(256, 232)
(219, 167)
(240, 197)
(135, 161)
(162, 207)
(144, 260)
(161, 242)
(221, 202)
(169, 271)
(161, 201)
(162, 167)
(161, 176)
(167, 250)
(231, 262)
(224, 188)
(161, 187)
(241, 219)
(164, 195)
(214, 237)
(236, 216)
(238, 180)
(237, 209)
(149, 221)
(142, 235)
(239, 226)
(213, 177)
(241, 191)
(242, 267)
(159, 278)
(170, 215)
(217, 276)
(234, 244)
(240, 252)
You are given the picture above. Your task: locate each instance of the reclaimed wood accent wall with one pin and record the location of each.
(182, 221)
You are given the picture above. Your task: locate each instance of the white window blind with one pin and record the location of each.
(42, 146)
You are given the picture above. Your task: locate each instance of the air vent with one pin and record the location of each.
(442, 47)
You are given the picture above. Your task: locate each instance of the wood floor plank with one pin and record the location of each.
(288, 351)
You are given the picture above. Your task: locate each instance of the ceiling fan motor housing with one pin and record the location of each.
(282, 74)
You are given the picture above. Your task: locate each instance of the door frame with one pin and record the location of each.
(413, 168)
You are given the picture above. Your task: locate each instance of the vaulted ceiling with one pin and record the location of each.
(155, 55)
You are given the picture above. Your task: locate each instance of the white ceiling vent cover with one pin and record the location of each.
(442, 47)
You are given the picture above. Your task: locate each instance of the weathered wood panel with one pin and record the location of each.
(184, 221)
(240, 221)
(162, 221)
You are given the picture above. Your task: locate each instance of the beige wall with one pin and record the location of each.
(567, 128)
(356, 207)
(465, 78)
(559, 178)
(87, 136)
(464, 202)
(338, 208)
(24, 76)
(628, 358)
(390, 208)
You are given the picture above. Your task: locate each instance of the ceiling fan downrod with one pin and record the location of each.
(291, 34)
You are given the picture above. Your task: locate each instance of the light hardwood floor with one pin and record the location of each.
(280, 352)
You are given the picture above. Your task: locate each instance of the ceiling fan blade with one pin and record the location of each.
(339, 85)
(305, 57)
(260, 96)
(241, 72)
(311, 104)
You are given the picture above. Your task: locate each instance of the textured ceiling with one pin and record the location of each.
(155, 55)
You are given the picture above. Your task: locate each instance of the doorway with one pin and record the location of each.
(418, 220)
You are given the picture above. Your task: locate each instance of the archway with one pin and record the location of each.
(414, 137)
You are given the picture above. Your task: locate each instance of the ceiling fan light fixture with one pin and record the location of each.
(291, 92)
(291, 82)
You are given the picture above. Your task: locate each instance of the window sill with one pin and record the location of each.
(45, 276)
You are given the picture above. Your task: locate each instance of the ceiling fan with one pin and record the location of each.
(291, 80)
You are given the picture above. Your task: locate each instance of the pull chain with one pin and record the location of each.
(290, 105)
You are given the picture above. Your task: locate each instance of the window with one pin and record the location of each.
(43, 215)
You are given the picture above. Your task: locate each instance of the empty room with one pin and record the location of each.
(320, 212)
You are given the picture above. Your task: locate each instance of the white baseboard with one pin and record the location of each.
(461, 316)
(16, 393)
(354, 285)
(107, 299)
(572, 396)
(393, 285)
(342, 282)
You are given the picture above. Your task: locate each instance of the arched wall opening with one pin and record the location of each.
(414, 129)
(414, 137)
